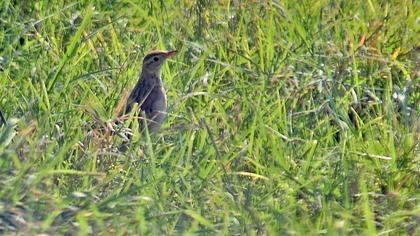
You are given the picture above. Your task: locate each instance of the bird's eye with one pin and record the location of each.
(156, 59)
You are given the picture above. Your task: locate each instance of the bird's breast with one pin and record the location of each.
(160, 101)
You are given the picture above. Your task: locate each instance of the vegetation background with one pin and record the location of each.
(286, 117)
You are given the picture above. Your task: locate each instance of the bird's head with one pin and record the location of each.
(153, 61)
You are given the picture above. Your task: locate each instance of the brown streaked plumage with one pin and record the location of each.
(149, 92)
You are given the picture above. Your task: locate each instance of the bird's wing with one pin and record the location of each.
(139, 95)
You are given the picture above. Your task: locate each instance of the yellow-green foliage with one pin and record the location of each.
(285, 117)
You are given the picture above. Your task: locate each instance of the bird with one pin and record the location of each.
(149, 92)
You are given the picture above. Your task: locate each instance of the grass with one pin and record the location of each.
(286, 117)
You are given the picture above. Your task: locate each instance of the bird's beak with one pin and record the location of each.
(170, 53)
